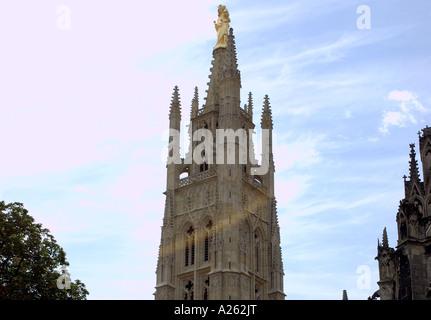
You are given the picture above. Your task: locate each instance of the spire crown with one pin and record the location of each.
(175, 109)
(266, 121)
(345, 297)
(250, 105)
(230, 69)
(414, 170)
(385, 241)
(195, 104)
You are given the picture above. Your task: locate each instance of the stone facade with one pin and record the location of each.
(405, 272)
(220, 237)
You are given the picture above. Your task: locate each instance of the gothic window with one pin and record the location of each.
(206, 253)
(189, 250)
(418, 205)
(188, 288)
(192, 255)
(186, 254)
(184, 174)
(403, 226)
(257, 291)
(206, 288)
(203, 166)
(207, 241)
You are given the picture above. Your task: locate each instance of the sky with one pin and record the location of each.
(85, 90)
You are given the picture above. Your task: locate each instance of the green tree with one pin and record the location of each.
(31, 260)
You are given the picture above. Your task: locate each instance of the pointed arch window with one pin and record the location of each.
(203, 166)
(184, 174)
(207, 241)
(192, 254)
(186, 254)
(206, 288)
(189, 250)
(188, 291)
(418, 204)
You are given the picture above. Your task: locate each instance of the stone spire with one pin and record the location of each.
(210, 249)
(225, 76)
(385, 242)
(174, 154)
(266, 121)
(345, 295)
(250, 106)
(175, 109)
(230, 69)
(414, 170)
(195, 104)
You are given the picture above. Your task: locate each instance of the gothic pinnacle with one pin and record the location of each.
(230, 69)
(414, 170)
(250, 104)
(345, 297)
(266, 121)
(175, 110)
(385, 242)
(195, 104)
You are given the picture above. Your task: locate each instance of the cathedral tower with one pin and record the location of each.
(220, 237)
(405, 272)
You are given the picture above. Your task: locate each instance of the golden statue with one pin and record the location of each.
(222, 27)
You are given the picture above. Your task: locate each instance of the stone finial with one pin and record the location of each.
(345, 295)
(414, 170)
(250, 104)
(385, 242)
(195, 104)
(230, 69)
(266, 122)
(175, 109)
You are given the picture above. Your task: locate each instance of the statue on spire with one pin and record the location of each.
(222, 27)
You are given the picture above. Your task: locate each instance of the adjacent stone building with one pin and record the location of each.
(405, 272)
(220, 237)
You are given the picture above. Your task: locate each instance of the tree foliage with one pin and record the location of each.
(31, 259)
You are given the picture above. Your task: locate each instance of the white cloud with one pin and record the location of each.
(400, 95)
(407, 112)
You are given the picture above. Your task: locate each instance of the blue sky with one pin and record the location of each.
(83, 112)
